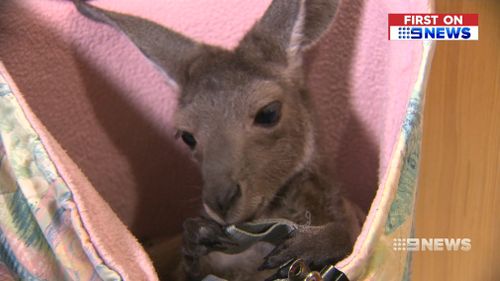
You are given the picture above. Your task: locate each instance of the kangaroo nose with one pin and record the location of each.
(220, 201)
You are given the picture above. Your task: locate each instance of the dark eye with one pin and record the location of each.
(269, 115)
(188, 139)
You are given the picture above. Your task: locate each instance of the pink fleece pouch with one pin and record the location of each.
(103, 114)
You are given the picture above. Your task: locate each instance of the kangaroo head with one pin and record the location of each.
(244, 113)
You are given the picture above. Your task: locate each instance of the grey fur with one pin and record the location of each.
(251, 171)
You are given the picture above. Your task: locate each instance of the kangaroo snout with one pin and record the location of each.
(219, 200)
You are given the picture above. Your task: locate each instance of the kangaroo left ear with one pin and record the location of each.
(287, 28)
(170, 51)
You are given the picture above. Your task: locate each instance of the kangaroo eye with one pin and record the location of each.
(188, 139)
(269, 115)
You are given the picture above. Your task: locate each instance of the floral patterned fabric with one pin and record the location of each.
(41, 235)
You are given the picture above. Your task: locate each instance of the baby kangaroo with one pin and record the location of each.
(248, 119)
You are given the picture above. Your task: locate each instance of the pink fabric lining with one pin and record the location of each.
(107, 234)
(110, 110)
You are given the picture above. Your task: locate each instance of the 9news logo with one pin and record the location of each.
(433, 27)
(432, 244)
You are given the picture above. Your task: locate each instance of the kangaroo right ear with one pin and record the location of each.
(287, 28)
(170, 51)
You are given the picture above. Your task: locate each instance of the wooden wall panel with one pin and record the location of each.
(459, 189)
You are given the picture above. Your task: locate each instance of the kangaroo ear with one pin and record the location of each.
(287, 28)
(170, 51)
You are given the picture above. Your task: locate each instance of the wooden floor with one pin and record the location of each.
(459, 190)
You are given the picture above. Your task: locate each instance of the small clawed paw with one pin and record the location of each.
(201, 236)
(300, 245)
(281, 254)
